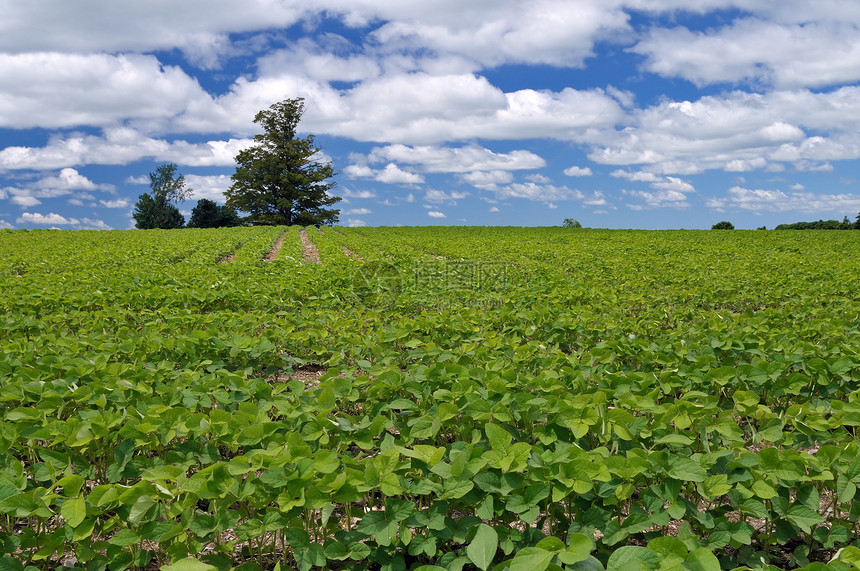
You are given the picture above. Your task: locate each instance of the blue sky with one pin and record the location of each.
(618, 113)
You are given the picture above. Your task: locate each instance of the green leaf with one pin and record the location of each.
(850, 555)
(11, 564)
(803, 517)
(74, 511)
(482, 549)
(579, 547)
(531, 559)
(124, 537)
(499, 438)
(425, 427)
(633, 558)
(702, 560)
(313, 556)
(686, 469)
(189, 564)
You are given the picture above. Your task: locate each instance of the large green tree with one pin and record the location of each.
(282, 179)
(155, 209)
(209, 214)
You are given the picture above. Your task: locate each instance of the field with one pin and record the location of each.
(429, 398)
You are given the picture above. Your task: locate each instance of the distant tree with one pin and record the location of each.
(208, 214)
(282, 179)
(817, 225)
(857, 222)
(156, 210)
(724, 225)
(571, 223)
(762, 228)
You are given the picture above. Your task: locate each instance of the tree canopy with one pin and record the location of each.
(723, 225)
(282, 179)
(156, 210)
(209, 214)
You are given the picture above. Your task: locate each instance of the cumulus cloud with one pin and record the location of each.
(774, 200)
(744, 51)
(5, 225)
(538, 192)
(436, 214)
(25, 201)
(350, 193)
(51, 219)
(393, 174)
(118, 147)
(456, 159)
(736, 132)
(657, 199)
(486, 180)
(578, 171)
(52, 90)
(440, 196)
(357, 212)
(118, 203)
(211, 187)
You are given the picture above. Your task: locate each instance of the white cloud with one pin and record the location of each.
(46, 219)
(578, 171)
(457, 159)
(658, 199)
(735, 132)
(355, 222)
(486, 180)
(117, 147)
(436, 214)
(54, 90)
(538, 192)
(359, 171)
(392, 174)
(5, 225)
(758, 50)
(357, 212)
(25, 201)
(118, 203)
(759, 200)
(442, 197)
(211, 187)
(349, 193)
(552, 32)
(494, 209)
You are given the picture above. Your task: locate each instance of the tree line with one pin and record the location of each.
(281, 179)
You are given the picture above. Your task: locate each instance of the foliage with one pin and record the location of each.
(723, 225)
(209, 214)
(155, 210)
(281, 179)
(571, 223)
(846, 224)
(521, 399)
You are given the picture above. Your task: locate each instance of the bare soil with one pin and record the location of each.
(276, 249)
(310, 255)
(351, 254)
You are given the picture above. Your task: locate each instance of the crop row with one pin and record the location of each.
(455, 399)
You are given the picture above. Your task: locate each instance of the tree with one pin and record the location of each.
(724, 225)
(571, 223)
(155, 210)
(857, 222)
(282, 179)
(208, 214)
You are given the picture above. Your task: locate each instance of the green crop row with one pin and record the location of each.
(469, 398)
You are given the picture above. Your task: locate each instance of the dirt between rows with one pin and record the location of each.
(276, 249)
(310, 255)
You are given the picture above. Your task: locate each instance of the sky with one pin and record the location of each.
(617, 113)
